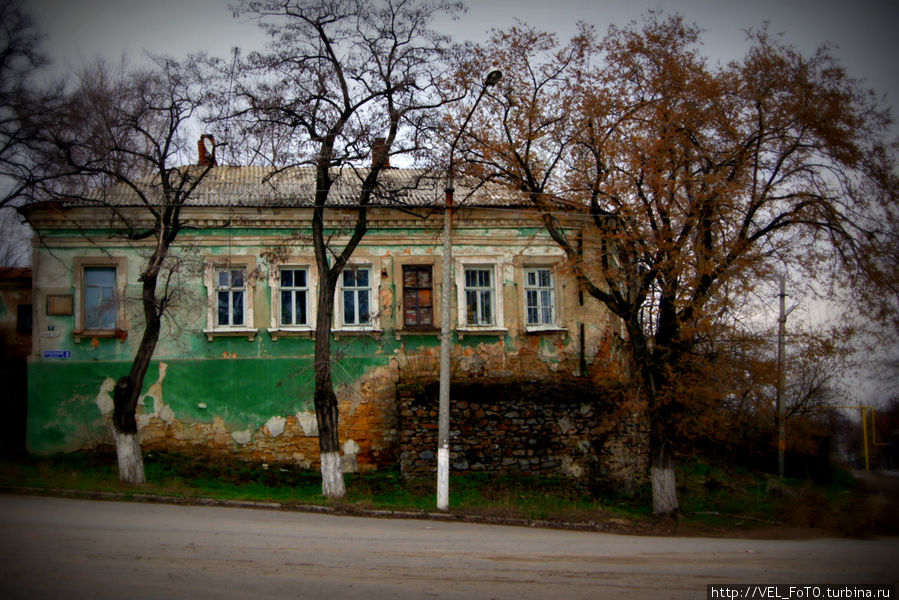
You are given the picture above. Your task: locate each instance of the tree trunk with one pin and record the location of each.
(128, 390)
(664, 485)
(131, 463)
(654, 381)
(325, 399)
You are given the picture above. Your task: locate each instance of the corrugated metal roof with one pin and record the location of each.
(295, 186)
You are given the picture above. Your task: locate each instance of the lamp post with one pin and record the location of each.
(446, 319)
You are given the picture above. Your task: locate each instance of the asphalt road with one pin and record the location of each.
(63, 548)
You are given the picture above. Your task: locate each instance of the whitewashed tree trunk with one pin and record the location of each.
(332, 476)
(664, 489)
(131, 462)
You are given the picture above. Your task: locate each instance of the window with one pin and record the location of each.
(539, 291)
(356, 293)
(356, 302)
(100, 298)
(294, 290)
(418, 303)
(230, 287)
(231, 293)
(478, 296)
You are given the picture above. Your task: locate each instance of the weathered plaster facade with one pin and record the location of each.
(246, 389)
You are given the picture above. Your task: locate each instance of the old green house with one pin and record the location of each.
(232, 371)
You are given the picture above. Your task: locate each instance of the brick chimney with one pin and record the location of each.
(206, 148)
(379, 150)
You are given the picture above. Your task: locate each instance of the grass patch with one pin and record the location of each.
(712, 498)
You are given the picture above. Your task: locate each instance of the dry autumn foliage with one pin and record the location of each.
(693, 179)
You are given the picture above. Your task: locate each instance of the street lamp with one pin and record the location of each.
(446, 324)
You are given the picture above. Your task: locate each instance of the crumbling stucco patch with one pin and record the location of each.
(275, 426)
(348, 462)
(308, 423)
(104, 399)
(242, 437)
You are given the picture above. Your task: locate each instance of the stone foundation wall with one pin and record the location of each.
(548, 428)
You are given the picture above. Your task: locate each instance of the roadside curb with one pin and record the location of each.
(342, 510)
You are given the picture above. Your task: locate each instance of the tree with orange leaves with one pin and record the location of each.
(694, 181)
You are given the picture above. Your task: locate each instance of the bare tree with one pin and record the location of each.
(693, 181)
(19, 60)
(116, 140)
(340, 74)
(15, 240)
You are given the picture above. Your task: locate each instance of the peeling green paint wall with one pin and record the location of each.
(244, 393)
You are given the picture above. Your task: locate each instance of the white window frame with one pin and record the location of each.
(233, 289)
(540, 291)
(215, 264)
(523, 265)
(278, 328)
(496, 267)
(80, 264)
(374, 295)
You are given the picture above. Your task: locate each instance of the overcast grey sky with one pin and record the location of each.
(863, 30)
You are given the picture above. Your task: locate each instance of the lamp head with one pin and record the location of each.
(492, 78)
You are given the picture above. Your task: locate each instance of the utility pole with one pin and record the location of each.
(446, 331)
(781, 335)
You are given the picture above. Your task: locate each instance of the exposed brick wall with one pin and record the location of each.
(560, 427)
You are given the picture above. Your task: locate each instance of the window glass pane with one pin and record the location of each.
(237, 278)
(300, 277)
(364, 316)
(349, 278)
(99, 297)
(362, 277)
(410, 298)
(300, 306)
(108, 314)
(471, 307)
(223, 278)
(237, 305)
(100, 276)
(426, 316)
(286, 308)
(531, 278)
(223, 308)
(92, 308)
(286, 278)
(531, 307)
(486, 317)
(546, 298)
(545, 278)
(349, 307)
(410, 278)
